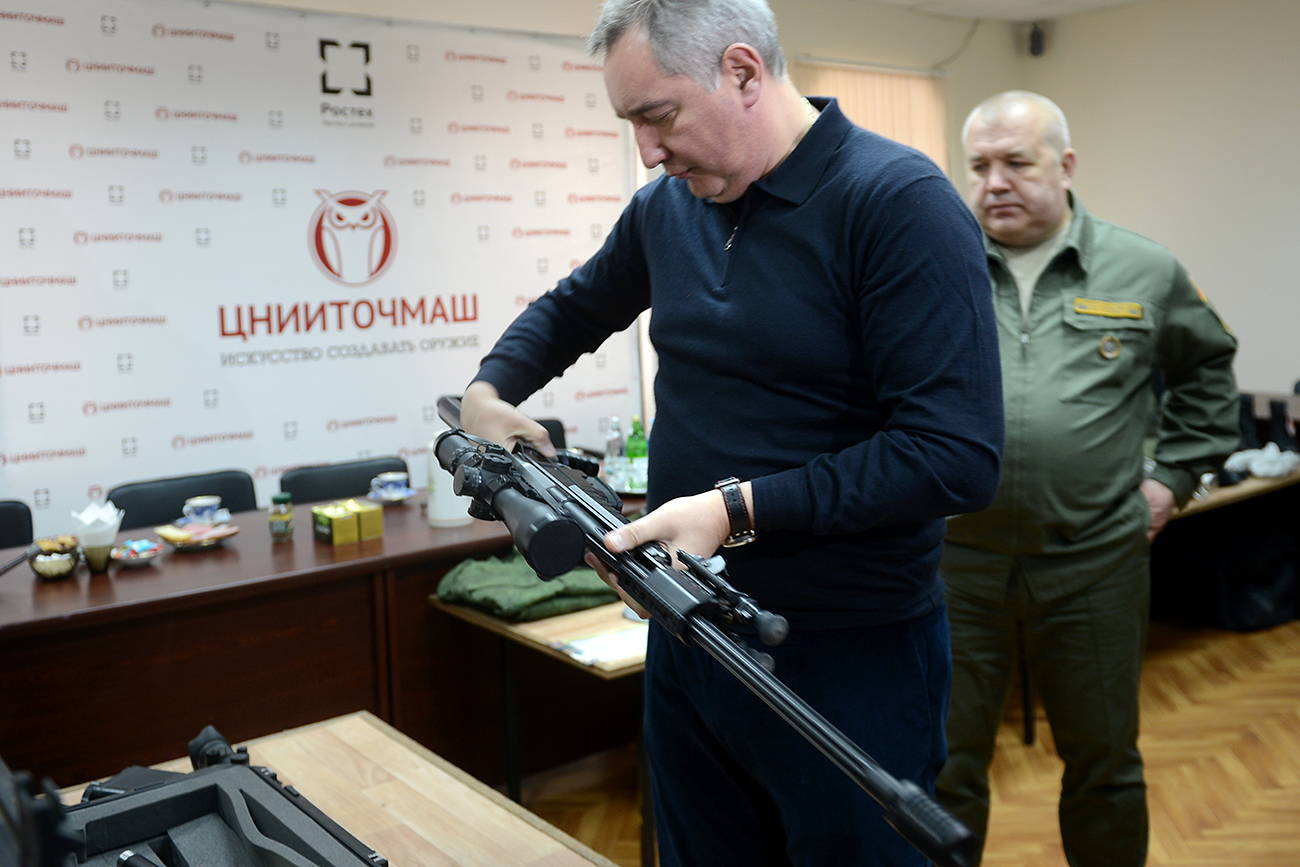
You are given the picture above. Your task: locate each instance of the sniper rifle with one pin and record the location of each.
(557, 510)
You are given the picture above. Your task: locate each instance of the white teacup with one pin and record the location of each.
(204, 509)
(389, 486)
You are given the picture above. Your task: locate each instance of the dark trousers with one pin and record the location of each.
(1084, 653)
(734, 784)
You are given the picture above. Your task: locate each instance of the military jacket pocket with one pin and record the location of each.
(1108, 347)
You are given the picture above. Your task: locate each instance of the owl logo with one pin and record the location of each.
(352, 236)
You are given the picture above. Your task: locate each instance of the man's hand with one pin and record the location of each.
(485, 415)
(697, 525)
(1161, 502)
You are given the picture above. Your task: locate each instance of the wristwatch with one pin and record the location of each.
(742, 529)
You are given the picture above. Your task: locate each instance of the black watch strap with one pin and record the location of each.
(742, 528)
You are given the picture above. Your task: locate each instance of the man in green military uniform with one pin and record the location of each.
(1059, 563)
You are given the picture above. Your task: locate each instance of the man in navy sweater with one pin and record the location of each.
(821, 313)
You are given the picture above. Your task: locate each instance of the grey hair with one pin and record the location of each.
(1056, 130)
(689, 37)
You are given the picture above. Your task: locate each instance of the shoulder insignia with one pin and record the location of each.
(1206, 301)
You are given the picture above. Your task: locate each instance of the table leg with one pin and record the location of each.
(511, 701)
(1027, 700)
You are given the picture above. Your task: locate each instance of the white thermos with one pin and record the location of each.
(445, 509)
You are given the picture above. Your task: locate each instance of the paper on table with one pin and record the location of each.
(622, 644)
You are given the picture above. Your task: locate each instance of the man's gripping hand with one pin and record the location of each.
(485, 415)
(697, 525)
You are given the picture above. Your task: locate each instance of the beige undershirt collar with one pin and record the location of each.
(1027, 264)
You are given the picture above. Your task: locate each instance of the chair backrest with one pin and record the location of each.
(161, 501)
(336, 481)
(15, 523)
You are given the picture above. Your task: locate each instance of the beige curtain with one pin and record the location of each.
(907, 107)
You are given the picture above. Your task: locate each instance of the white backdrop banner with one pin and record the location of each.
(241, 237)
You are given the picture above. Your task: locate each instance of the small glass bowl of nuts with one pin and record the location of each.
(54, 556)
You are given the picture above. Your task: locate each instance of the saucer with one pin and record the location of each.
(222, 517)
(401, 496)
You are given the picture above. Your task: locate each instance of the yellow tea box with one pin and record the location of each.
(370, 518)
(335, 523)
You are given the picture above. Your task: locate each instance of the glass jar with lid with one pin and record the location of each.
(281, 515)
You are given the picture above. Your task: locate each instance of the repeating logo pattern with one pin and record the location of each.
(163, 314)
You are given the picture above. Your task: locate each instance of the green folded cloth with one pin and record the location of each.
(508, 588)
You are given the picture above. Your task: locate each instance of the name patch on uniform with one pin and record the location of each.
(1111, 309)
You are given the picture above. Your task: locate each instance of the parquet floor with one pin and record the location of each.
(1220, 735)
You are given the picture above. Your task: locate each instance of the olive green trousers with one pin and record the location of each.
(1084, 654)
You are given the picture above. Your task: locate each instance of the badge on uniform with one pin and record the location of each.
(1109, 347)
(1109, 309)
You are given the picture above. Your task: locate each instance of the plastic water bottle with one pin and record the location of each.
(616, 462)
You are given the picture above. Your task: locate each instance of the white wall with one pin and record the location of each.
(1185, 116)
(1183, 113)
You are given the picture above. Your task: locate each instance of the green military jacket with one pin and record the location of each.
(1076, 382)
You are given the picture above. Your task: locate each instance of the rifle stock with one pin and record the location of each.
(536, 496)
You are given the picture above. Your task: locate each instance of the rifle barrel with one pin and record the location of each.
(922, 822)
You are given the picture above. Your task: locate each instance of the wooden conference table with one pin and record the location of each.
(101, 671)
(1246, 489)
(408, 804)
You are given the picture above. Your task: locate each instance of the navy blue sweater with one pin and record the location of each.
(841, 355)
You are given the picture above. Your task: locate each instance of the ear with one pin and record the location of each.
(1067, 166)
(743, 68)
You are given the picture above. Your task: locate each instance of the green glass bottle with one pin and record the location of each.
(638, 456)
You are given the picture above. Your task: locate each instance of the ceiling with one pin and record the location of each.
(1007, 10)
